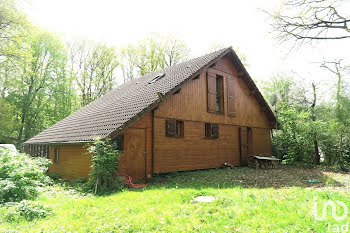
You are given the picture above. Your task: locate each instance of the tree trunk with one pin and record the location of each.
(313, 115)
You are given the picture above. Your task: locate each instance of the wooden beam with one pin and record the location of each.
(251, 92)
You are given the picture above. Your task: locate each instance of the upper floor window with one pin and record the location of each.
(219, 94)
(174, 128)
(215, 93)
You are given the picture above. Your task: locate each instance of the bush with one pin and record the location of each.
(29, 210)
(105, 164)
(20, 176)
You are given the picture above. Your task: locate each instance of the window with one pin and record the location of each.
(219, 94)
(56, 155)
(174, 128)
(211, 130)
(119, 142)
(215, 88)
(37, 150)
(156, 78)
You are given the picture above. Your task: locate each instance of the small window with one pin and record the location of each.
(156, 78)
(219, 94)
(211, 130)
(174, 128)
(119, 142)
(56, 155)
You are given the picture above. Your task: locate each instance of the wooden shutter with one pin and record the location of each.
(231, 100)
(170, 127)
(211, 86)
(215, 130)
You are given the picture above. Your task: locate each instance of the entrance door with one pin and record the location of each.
(136, 153)
(245, 144)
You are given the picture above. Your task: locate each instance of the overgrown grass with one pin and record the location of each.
(246, 200)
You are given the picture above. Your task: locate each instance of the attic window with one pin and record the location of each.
(156, 78)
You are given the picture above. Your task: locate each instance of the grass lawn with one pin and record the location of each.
(246, 200)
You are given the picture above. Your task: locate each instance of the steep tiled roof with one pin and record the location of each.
(105, 115)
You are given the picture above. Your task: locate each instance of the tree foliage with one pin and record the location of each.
(151, 54)
(308, 131)
(93, 67)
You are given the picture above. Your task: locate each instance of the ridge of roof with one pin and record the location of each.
(124, 104)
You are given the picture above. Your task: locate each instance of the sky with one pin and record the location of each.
(201, 24)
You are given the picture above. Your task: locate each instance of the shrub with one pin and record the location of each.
(20, 176)
(105, 164)
(29, 210)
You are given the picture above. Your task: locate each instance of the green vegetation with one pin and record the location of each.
(306, 130)
(26, 210)
(21, 176)
(105, 164)
(246, 200)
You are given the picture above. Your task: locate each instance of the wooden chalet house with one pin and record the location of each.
(194, 115)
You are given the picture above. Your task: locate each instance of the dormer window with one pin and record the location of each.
(156, 78)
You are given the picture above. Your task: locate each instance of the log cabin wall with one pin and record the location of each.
(73, 161)
(194, 151)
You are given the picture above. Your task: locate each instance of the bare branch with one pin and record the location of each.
(309, 20)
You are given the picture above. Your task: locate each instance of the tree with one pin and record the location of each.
(39, 77)
(342, 102)
(13, 25)
(93, 67)
(308, 20)
(296, 111)
(313, 117)
(36, 86)
(151, 54)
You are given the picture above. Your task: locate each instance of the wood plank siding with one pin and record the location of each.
(191, 102)
(73, 161)
(194, 151)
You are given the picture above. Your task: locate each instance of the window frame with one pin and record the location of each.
(209, 132)
(180, 131)
(219, 86)
(179, 126)
(56, 155)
